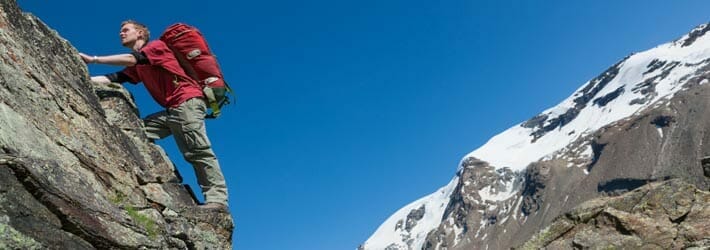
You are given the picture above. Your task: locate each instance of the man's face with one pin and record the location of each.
(129, 35)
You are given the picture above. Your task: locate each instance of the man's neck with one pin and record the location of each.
(138, 45)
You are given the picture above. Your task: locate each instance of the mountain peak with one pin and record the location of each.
(694, 34)
(585, 147)
(632, 84)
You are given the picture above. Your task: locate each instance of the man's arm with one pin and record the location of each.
(100, 79)
(118, 60)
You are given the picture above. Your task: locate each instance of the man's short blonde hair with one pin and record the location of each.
(139, 26)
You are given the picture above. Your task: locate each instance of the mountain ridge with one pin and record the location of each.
(565, 145)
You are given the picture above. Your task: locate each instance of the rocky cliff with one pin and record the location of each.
(76, 170)
(643, 120)
(664, 215)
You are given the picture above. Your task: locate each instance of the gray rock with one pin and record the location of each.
(651, 221)
(76, 170)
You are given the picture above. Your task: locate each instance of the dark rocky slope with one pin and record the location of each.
(76, 171)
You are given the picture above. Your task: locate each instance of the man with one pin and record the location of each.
(154, 64)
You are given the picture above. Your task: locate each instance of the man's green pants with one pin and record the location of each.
(187, 124)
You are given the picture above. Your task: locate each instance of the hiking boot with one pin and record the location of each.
(214, 206)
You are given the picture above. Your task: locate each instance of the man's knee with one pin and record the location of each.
(195, 137)
(156, 126)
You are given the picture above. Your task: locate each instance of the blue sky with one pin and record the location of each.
(349, 110)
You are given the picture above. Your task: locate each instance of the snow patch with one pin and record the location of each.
(488, 194)
(388, 233)
(517, 208)
(519, 140)
(588, 152)
(504, 219)
(458, 233)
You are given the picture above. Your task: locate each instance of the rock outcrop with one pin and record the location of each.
(76, 170)
(664, 215)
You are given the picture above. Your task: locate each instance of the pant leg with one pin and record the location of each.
(188, 126)
(156, 126)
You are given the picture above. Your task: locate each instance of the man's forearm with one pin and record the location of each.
(119, 60)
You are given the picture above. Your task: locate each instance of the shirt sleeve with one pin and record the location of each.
(130, 75)
(118, 77)
(158, 53)
(140, 57)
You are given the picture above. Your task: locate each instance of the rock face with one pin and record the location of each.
(76, 170)
(667, 215)
(644, 120)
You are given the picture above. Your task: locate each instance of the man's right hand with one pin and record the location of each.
(87, 59)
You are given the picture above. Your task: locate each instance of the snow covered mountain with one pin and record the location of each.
(643, 119)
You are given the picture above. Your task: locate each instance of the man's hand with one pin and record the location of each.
(87, 59)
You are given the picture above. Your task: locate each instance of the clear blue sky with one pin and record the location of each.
(349, 110)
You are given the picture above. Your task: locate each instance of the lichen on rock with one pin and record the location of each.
(663, 215)
(69, 149)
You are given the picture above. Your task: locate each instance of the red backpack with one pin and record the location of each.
(195, 57)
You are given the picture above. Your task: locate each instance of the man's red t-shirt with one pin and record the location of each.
(165, 80)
